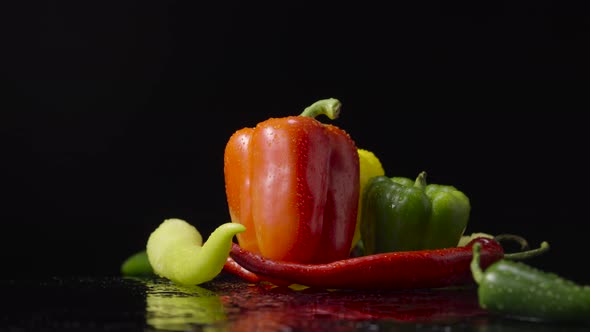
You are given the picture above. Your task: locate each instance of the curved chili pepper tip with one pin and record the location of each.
(236, 269)
(529, 253)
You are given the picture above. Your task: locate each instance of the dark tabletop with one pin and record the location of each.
(229, 304)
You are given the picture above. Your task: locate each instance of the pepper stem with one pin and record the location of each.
(529, 253)
(329, 107)
(420, 180)
(524, 245)
(476, 270)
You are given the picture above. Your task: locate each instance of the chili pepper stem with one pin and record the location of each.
(524, 245)
(477, 271)
(529, 253)
(329, 107)
(475, 268)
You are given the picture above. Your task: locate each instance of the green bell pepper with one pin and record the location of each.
(399, 214)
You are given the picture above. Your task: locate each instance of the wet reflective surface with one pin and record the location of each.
(228, 304)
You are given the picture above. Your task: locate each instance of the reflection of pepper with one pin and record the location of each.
(294, 183)
(298, 310)
(399, 214)
(171, 307)
(396, 270)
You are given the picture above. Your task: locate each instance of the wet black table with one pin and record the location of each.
(229, 304)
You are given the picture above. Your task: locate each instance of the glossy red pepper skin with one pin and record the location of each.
(397, 270)
(294, 183)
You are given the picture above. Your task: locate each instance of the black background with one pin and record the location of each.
(114, 116)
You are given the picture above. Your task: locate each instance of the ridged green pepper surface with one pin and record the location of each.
(400, 214)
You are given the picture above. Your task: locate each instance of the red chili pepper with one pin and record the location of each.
(396, 270)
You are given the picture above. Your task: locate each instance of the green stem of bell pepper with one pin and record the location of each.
(329, 107)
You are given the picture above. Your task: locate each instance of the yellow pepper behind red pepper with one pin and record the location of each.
(370, 166)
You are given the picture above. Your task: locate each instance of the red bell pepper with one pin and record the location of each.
(294, 183)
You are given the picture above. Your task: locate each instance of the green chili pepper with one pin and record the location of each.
(399, 214)
(137, 265)
(522, 291)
